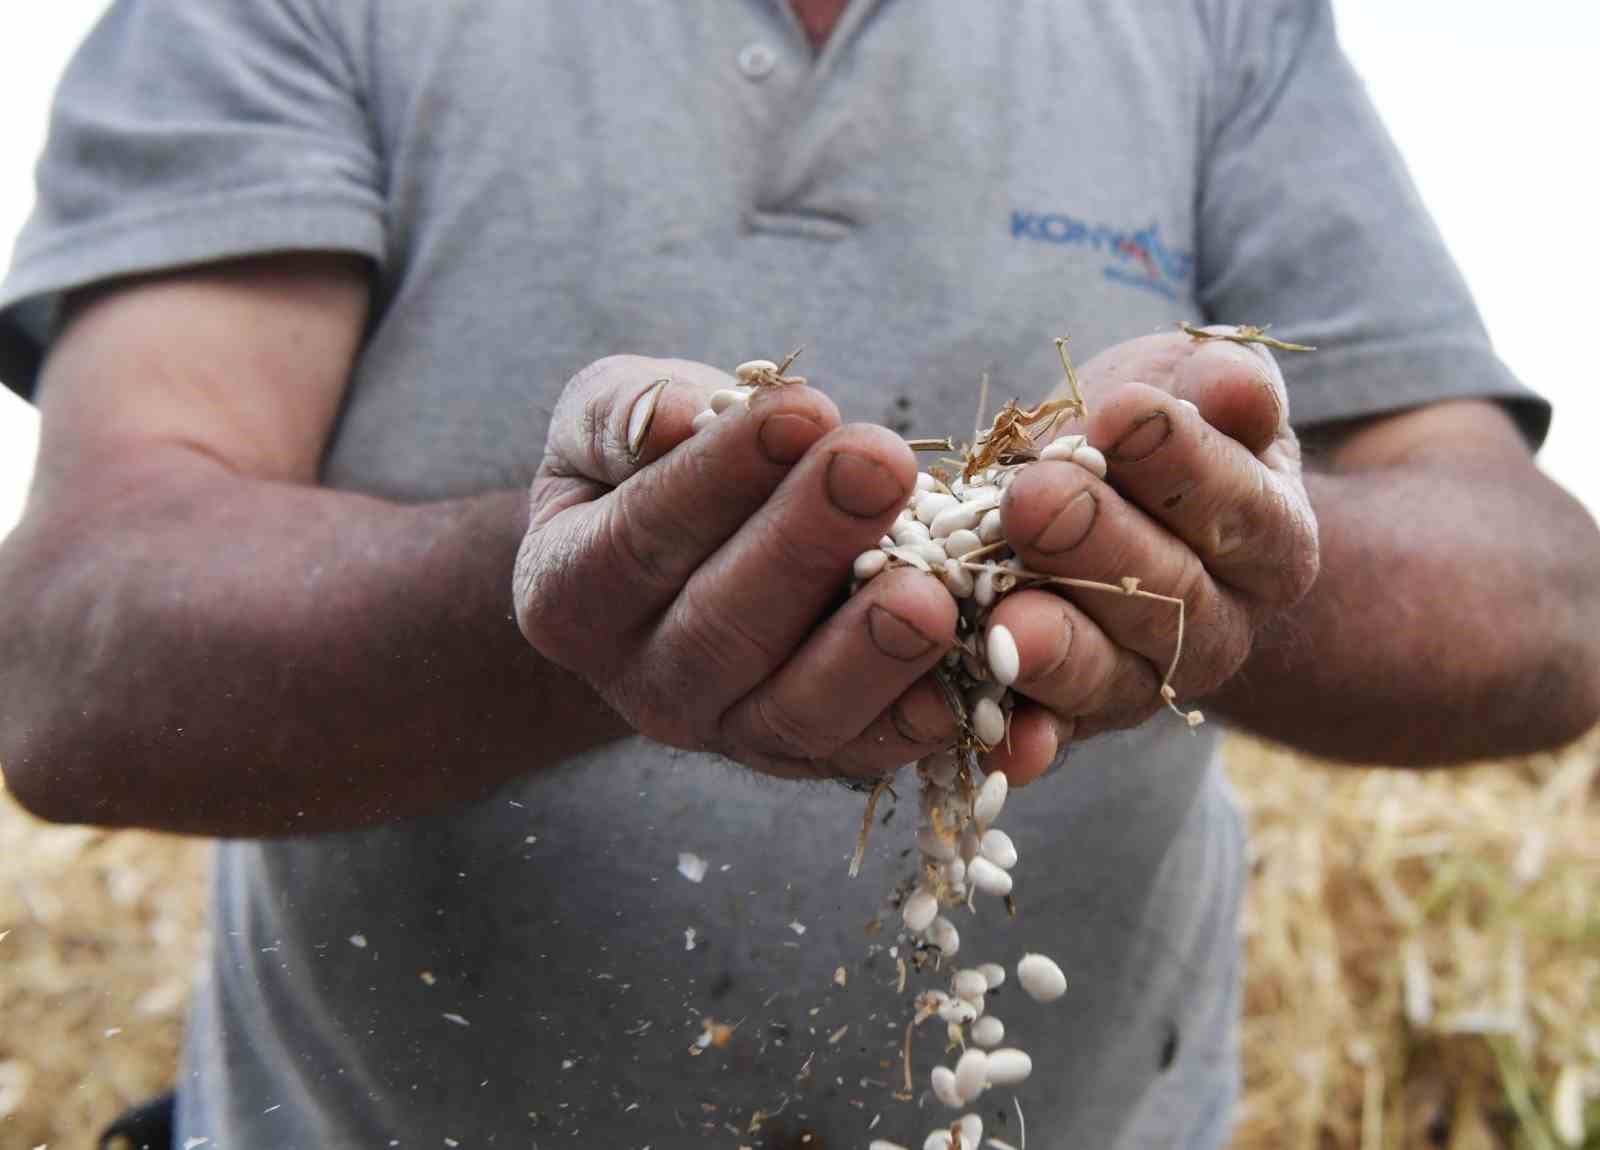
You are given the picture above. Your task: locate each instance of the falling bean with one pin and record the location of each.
(988, 878)
(1041, 978)
(919, 911)
(1006, 1067)
(991, 797)
(988, 1031)
(1000, 647)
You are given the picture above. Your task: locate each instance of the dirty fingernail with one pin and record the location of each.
(1069, 527)
(785, 436)
(642, 415)
(895, 637)
(863, 488)
(909, 731)
(1142, 440)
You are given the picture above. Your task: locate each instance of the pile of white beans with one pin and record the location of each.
(952, 529)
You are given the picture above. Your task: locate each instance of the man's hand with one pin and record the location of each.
(696, 582)
(1203, 501)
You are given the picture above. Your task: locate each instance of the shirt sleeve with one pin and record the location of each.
(1308, 220)
(186, 132)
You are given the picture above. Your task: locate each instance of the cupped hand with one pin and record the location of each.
(696, 580)
(1202, 501)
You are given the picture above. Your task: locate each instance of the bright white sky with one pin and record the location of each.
(1490, 103)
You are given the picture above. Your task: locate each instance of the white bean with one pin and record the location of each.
(959, 1011)
(983, 588)
(754, 368)
(702, 420)
(988, 1031)
(932, 503)
(1062, 448)
(943, 1081)
(943, 934)
(1090, 459)
(994, 974)
(931, 553)
(908, 532)
(1007, 1067)
(971, 1130)
(988, 878)
(726, 397)
(997, 847)
(989, 723)
(1000, 647)
(908, 555)
(926, 482)
(1041, 978)
(991, 798)
(957, 579)
(940, 1139)
(972, 1074)
(991, 529)
(952, 519)
(955, 873)
(970, 985)
(869, 563)
(919, 911)
(984, 497)
(959, 543)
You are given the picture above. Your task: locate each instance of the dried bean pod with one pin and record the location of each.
(935, 845)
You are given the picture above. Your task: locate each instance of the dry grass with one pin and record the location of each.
(1483, 884)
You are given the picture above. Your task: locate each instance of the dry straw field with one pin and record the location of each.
(1424, 955)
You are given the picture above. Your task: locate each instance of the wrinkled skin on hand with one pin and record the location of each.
(696, 583)
(1203, 500)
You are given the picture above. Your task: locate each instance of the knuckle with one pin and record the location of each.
(779, 729)
(641, 546)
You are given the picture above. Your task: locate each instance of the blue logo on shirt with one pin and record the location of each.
(1140, 258)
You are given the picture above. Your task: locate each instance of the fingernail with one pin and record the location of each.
(642, 415)
(895, 637)
(908, 730)
(863, 488)
(1063, 649)
(785, 436)
(1064, 729)
(1141, 442)
(1069, 527)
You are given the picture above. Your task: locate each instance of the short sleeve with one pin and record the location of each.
(186, 132)
(1309, 221)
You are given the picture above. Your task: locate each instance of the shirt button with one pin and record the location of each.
(757, 61)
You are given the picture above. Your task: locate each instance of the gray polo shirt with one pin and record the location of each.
(538, 184)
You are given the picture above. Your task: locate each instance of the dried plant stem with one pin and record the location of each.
(945, 444)
(1246, 334)
(1129, 587)
(866, 826)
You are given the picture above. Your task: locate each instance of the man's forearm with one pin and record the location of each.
(272, 659)
(1455, 617)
